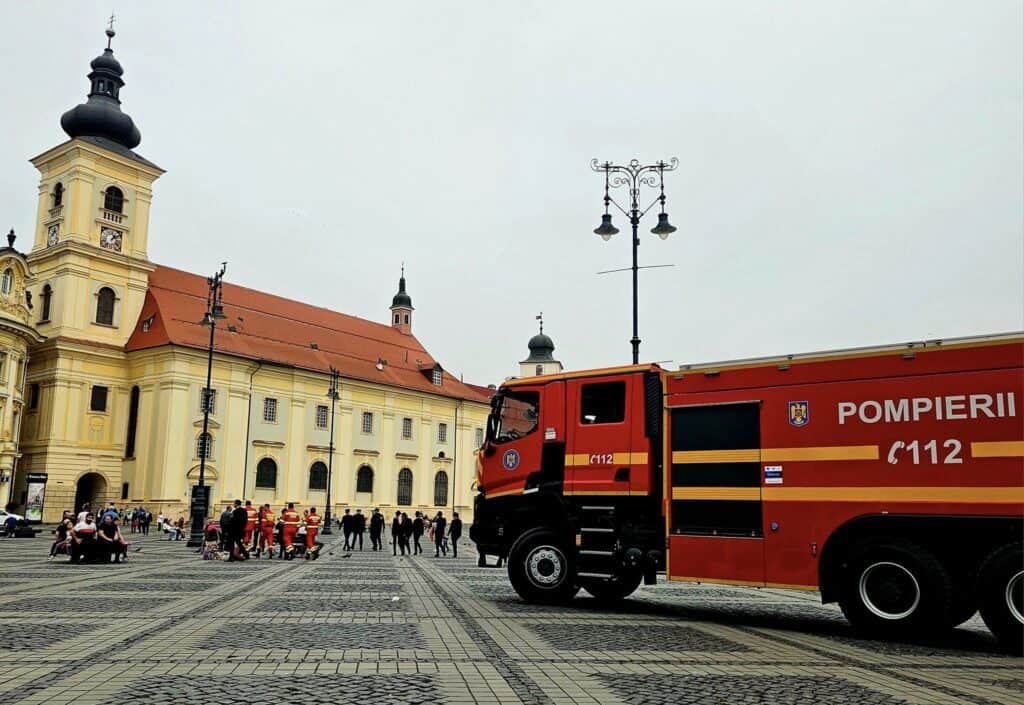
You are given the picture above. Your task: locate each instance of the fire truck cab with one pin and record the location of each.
(890, 479)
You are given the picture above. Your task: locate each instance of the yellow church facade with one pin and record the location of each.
(110, 405)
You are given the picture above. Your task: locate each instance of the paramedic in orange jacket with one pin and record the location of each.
(312, 528)
(252, 517)
(267, 523)
(291, 520)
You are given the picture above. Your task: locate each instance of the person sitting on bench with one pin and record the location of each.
(83, 540)
(111, 543)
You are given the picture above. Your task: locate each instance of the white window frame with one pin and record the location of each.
(406, 428)
(437, 377)
(200, 446)
(213, 400)
(321, 415)
(367, 422)
(442, 432)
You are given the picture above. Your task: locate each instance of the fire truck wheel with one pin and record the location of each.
(1001, 595)
(618, 588)
(539, 568)
(895, 589)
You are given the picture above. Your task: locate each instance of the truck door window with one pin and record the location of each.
(518, 415)
(602, 402)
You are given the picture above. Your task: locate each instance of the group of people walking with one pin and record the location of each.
(404, 530)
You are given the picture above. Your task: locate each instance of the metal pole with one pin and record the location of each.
(200, 509)
(330, 453)
(635, 342)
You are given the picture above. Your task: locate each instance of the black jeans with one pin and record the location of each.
(455, 546)
(416, 543)
(348, 540)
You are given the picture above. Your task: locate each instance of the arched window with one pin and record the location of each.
(133, 422)
(397, 318)
(46, 295)
(266, 474)
(105, 306)
(405, 487)
(407, 319)
(6, 281)
(204, 445)
(540, 370)
(58, 194)
(364, 479)
(113, 199)
(440, 488)
(318, 476)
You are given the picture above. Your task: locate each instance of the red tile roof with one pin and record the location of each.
(281, 331)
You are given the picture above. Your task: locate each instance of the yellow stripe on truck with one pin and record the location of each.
(956, 495)
(997, 449)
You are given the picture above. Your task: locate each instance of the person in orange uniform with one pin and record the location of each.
(252, 517)
(267, 523)
(291, 520)
(312, 528)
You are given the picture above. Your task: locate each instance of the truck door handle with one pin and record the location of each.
(622, 475)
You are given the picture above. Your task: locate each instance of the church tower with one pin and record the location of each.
(541, 360)
(401, 307)
(89, 254)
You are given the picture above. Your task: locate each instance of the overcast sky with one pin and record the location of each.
(851, 173)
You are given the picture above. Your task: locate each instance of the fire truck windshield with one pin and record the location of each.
(513, 415)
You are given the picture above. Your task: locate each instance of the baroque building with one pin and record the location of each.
(118, 356)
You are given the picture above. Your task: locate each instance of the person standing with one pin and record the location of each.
(225, 526)
(147, 519)
(267, 520)
(455, 533)
(346, 528)
(396, 533)
(239, 518)
(417, 534)
(358, 528)
(312, 529)
(377, 530)
(404, 533)
(252, 517)
(440, 523)
(290, 520)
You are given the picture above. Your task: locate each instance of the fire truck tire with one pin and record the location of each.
(618, 588)
(895, 589)
(540, 569)
(1001, 596)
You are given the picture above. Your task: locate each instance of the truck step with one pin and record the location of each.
(596, 530)
(594, 575)
(598, 509)
(591, 552)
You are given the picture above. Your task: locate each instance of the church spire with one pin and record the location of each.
(401, 307)
(100, 116)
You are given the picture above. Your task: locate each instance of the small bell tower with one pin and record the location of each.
(401, 307)
(541, 360)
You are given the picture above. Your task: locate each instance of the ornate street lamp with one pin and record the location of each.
(633, 176)
(201, 493)
(332, 394)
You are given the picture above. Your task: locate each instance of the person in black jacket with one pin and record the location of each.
(377, 530)
(225, 528)
(417, 534)
(396, 533)
(358, 528)
(405, 532)
(239, 518)
(455, 533)
(346, 528)
(439, 526)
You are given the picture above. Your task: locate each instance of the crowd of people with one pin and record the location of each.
(243, 531)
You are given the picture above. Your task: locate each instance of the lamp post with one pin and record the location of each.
(332, 394)
(200, 493)
(634, 175)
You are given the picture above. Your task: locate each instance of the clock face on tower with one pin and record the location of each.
(110, 239)
(52, 234)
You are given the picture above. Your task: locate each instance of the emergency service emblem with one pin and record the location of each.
(510, 461)
(799, 413)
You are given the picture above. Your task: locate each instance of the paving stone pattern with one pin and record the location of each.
(167, 628)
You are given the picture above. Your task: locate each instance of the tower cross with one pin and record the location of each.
(540, 317)
(110, 24)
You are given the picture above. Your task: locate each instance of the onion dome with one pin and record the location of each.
(100, 115)
(401, 299)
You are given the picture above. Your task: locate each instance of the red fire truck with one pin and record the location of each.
(890, 479)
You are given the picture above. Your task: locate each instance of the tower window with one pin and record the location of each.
(442, 433)
(33, 396)
(404, 487)
(270, 410)
(58, 194)
(98, 399)
(364, 479)
(113, 199)
(440, 488)
(397, 317)
(318, 476)
(367, 422)
(407, 319)
(46, 295)
(133, 422)
(406, 428)
(208, 400)
(204, 446)
(6, 281)
(266, 474)
(105, 306)
(321, 416)
(539, 370)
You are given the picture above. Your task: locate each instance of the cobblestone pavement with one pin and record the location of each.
(168, 628)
